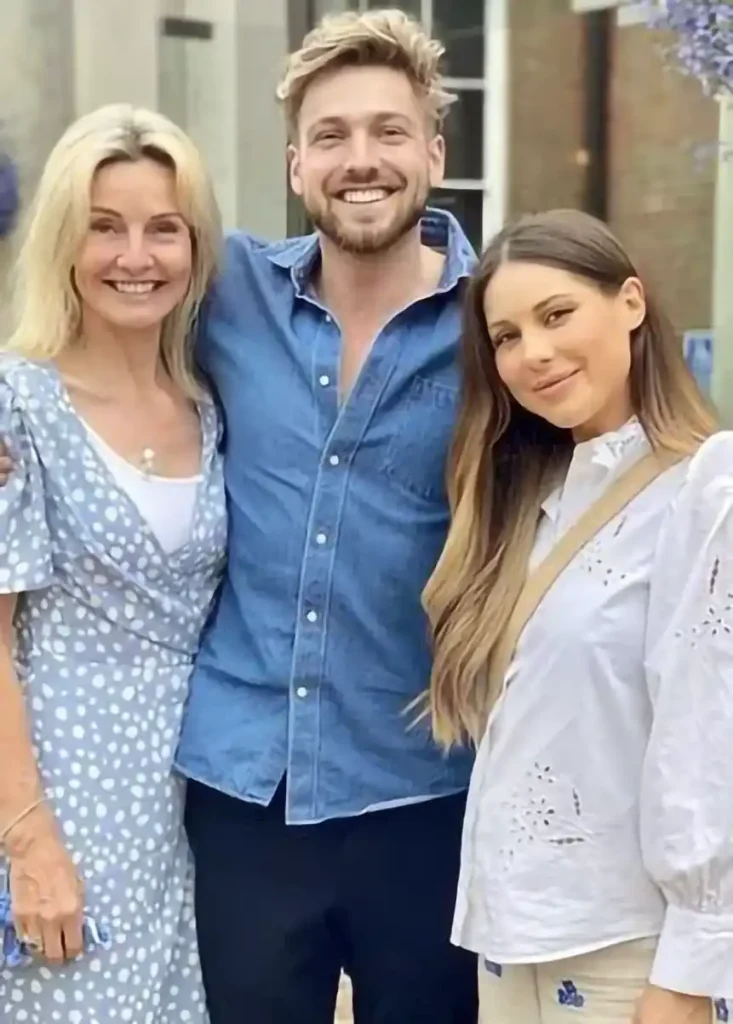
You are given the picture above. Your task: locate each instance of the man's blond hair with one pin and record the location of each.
(382, 38)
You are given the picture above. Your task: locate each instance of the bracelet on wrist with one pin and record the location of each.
(19, 818)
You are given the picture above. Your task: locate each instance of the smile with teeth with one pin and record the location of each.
(365, 195)
(135, 287)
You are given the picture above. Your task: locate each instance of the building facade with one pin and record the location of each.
(653, 171)
(212, 65)
(559, 103)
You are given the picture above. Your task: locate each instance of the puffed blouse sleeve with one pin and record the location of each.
(687, 787)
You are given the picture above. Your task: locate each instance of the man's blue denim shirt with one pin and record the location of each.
(337, 516)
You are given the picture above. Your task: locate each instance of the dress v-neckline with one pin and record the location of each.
(80, 430)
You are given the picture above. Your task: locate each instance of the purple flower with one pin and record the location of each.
(704, 46)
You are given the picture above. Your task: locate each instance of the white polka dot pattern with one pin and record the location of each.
(107, 629)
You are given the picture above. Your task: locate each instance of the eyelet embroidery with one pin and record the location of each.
(619, 442)
(716, 617)
(546, 809)
(592, 560)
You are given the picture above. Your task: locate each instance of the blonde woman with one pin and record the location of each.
(583, 601)
(112, 534)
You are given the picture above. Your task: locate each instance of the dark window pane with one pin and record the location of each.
(408, 6)
(464, 136)
(459, 24)
(467, 206)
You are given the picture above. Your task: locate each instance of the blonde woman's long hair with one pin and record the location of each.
(48, 313)
(505, 460)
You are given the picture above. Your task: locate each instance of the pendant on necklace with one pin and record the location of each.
(147, 461)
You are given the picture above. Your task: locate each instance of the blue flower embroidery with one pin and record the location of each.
(722, 1011)
(568, 995)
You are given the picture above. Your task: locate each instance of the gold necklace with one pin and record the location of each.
(147, 461)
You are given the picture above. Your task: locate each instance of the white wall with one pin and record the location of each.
(115, 53)
(197, 89)
(36, 94)
(62, 58)
(261, 138)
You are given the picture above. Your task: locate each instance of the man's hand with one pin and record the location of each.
(660, 1006)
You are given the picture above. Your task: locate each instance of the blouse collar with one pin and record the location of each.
(594, 461)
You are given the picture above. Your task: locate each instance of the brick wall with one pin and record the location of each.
(661, 188)
(663, 191)
(546, 105)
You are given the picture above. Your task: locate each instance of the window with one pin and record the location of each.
(461, 27)
(464, 137)
(413, 7)
(466, 205)
(630, 12)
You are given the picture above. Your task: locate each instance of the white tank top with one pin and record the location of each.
(167, 504)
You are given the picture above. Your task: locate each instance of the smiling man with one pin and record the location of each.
(325, 823)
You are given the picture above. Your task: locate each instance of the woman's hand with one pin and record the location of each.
(660, 1006)
(46, 893)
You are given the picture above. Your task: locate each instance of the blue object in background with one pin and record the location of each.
(9, 195)
(698, 348)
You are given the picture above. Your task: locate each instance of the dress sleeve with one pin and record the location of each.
(687, 786)
(25, 542)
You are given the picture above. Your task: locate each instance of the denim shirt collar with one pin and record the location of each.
(439, 230)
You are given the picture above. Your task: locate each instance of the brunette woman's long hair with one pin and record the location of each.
(505, 460)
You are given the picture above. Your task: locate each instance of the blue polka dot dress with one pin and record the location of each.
(107, 629)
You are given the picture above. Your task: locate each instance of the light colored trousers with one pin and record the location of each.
(597, 988)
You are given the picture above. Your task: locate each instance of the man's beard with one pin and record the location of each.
(366, 241)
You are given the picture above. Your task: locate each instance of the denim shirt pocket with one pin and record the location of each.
(417, 453)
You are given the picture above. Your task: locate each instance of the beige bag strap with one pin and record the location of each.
(614, 500)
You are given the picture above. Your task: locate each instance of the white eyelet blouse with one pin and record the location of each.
(601, 804)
